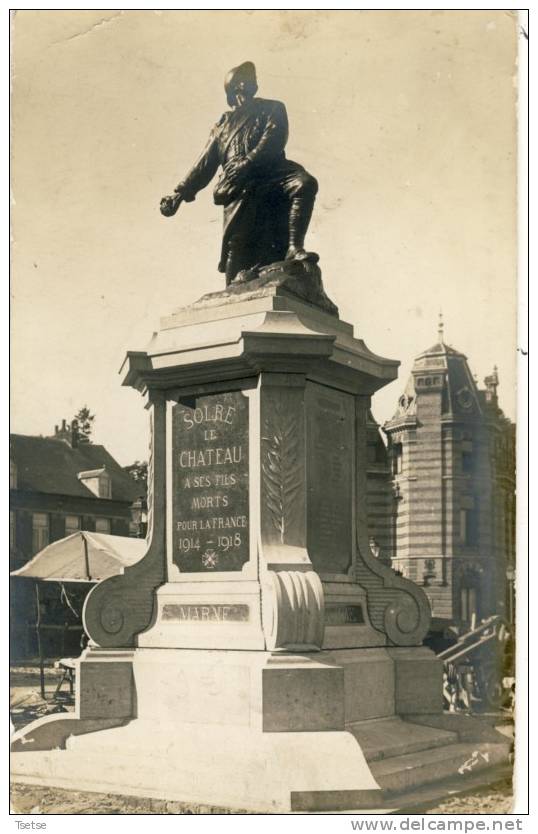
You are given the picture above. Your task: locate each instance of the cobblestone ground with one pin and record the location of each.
(28, 799)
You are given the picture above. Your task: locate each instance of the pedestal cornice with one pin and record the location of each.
(244, 338)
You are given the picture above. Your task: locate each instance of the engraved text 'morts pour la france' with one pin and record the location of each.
(210, 483)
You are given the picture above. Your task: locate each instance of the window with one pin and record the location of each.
(397, 459)
(102, 525)
(72, 524)
(40, 531)
(105, 485)
(469, 604)
(97, 481)
(467, 461)
(469, 527)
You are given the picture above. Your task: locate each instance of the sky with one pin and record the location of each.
(406, 118)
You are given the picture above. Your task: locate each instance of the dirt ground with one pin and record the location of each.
(25, 700)
(28, 799)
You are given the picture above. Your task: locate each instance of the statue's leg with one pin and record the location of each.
(301, 189)
(239, 238)
(238, 257)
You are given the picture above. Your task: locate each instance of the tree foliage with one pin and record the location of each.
(85, 419)
(138, 471)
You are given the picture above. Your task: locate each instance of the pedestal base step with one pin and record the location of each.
(247, 770)
(382, 738)
(231, 767)
(400, 774)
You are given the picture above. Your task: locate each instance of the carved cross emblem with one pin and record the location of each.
(210, 559)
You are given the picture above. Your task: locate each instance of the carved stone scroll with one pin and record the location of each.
(121, 607)
(396, 606)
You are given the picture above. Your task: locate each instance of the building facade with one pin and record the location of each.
(452, 456)
(59, 485)
(380, 500)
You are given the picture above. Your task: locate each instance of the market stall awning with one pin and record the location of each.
(83, 557)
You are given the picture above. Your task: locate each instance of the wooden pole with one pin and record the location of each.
(86, 557)
(39, 646)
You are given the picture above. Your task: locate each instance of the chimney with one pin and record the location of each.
(69, 434)
(75, 437)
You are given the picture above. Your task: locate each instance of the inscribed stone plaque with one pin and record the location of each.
(330, 473)
(341, 614)
(208, 613)
(210, 483)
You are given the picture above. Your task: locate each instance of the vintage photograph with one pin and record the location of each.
(264, 295)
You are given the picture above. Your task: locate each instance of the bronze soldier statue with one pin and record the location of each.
(267, 199)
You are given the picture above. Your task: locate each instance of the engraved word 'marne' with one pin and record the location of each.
(207, 613)
(217, 413)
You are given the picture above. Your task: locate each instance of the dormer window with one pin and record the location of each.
(97, 481)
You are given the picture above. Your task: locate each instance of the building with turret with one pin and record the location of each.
(452, 456)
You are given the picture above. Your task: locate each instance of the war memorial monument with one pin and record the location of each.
(258, 657)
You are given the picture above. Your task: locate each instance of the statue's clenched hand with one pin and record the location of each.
(170, 204)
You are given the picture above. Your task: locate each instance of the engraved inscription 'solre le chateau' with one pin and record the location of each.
(210, 483)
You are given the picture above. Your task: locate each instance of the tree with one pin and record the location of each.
(138, 471)
(85, 420)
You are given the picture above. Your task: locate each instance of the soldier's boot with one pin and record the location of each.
(235, 260)
(299, 219)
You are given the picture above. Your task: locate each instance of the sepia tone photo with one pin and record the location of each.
(263, 411)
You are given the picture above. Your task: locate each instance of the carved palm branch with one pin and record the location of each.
(281, 468)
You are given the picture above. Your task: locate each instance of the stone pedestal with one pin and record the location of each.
(236, 663)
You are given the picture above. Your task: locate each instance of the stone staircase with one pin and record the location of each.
(452, 753)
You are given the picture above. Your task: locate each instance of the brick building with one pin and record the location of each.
(452, 455)
(380, 501)
(59, 485)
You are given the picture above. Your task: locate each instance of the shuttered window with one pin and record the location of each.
(102, 525)
(40, 531)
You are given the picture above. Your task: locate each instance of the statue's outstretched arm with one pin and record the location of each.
(200, 175)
